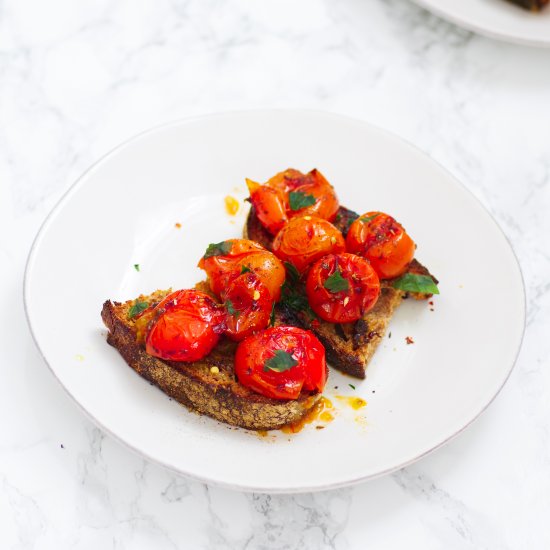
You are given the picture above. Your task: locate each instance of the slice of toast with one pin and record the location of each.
(349, 347)
(216, 394)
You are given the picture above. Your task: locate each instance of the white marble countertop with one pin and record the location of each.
(79, 77)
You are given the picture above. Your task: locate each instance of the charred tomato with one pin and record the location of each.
(248, 304)
(341, 288)
(281, 362)
(304, 240)
(186, 326)
(227, 260)
(289, 194)
(383, 242)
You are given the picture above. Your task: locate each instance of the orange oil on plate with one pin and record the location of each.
(319, 411)
(231, 205)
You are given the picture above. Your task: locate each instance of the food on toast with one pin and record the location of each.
(208, 385)
(350, 342)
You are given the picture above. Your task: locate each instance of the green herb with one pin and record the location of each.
(351, 386)
(292, 273)
(413, 282)
(217, 249)
(336, 283)
(370, 218)
(272, 316)
(281, 361)
(136, 267)
(231, 309)
(299, 200)
(245, 269)
(137, 308)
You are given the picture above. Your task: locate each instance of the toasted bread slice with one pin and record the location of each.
(216, 394)
(349, 347)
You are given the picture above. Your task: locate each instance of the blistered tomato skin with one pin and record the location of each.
(274, 206)
(248, 304)
(243, 255)
(382, 240)
(305, 239)
(187, 326)
(341, 288)
(309, 374)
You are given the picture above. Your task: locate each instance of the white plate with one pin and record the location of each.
(122, 212)
(495, 18)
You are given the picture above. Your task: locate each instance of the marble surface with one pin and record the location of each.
(79, 77)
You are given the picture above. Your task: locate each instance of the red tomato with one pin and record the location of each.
(281, 362)
(289, 194)
(306, 239)
(188, 325)
(383, 241)
(248, 305)
(225, 261)
(341, 288)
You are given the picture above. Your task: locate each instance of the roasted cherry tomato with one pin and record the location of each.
(225, 261)
(383, 241)
(306, 239)
(248, 304)
(187, 326)
(291, 193)
(281, 362)
(341, 288)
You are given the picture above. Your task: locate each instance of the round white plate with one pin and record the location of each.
(495, 18)
(123, 212)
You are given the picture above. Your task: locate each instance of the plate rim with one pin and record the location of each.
(251, 112)
(479, 30)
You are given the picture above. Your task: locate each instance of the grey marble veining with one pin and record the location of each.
(76, 78)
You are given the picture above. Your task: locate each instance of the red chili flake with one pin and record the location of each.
(431, 302)
(409, 340)
(177, 225)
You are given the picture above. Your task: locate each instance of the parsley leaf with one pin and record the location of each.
(299, 200)
(281, 361)
(245, 269)
(136, 309)
(413, 282)
(370, 218)
(231, 309)
(272, 316)
(336, 283)
(218, 249)
(292, 273)
(351, 386)
(136, 267)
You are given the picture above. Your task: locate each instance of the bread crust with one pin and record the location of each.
(218, 395)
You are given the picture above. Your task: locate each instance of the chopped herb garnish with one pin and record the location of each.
(292, 273)
(413, 282)
(272, 316)
(231, 309)
(281, 361)
(299, 200)
(336, 283)
(370, 218)
(351, 386)
(245, 269)
(136, 267)
(217, 249)
(136, 309)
